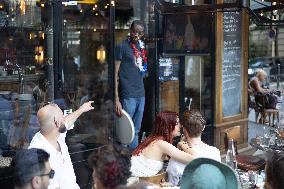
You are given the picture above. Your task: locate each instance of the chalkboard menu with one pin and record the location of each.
(232, 64)
(168, 69)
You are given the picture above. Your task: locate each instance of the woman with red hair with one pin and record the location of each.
(147, 159)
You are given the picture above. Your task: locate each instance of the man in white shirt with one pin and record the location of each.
(193, 125)
(51, 138)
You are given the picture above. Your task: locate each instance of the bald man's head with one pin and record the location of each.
(47, 116)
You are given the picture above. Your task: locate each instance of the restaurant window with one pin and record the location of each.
(87, 75)
(26, 42)
(198, 84)
(126, 12)
(169, 90)
(86, 69)
(26, 50)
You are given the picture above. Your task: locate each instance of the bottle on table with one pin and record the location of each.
(231, 160)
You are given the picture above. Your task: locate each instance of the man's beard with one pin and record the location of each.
(134, 39)
(62, 128)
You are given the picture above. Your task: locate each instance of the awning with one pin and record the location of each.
(259, 4)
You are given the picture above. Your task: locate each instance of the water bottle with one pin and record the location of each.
(231, 160)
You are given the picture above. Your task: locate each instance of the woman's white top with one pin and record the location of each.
(175, 169)
(142, 166)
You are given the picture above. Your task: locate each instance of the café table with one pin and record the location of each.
(250, 179)
(271, 140)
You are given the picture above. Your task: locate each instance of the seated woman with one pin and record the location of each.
(274, 171)
(111, 166)
(147, 159)
(193, 126)
(264, 97)
(256, 82)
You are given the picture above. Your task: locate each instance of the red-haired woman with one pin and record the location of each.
(147, 159)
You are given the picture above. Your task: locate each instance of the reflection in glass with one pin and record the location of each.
(198, 80)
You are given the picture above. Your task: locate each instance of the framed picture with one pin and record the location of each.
(187, 33)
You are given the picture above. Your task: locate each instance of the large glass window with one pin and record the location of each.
(86, 67)
(26, 42)
(87, 71)
(169, 90)
(26, 53)
(198, 84)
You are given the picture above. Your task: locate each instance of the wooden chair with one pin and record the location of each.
(156, 179)
(232, 133)
(271, 114)
(245, 162)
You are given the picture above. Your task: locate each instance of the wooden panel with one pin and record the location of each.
(218, 66)
(169, 95)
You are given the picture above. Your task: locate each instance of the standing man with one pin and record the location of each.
(130, 68)
(31, 169)
(51, 138)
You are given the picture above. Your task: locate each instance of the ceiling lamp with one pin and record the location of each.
(22, 7)
(101, 54)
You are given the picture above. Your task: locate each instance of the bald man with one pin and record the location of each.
(51, 138)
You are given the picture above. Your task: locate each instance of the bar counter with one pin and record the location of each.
(12, 83)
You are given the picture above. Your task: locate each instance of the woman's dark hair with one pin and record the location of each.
(111, 165)
(165, 123)
(275, 171)
(193, 122)
(27, 164)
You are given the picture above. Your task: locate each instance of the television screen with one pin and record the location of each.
(187, 33)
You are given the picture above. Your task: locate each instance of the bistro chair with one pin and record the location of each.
(271, 114)
(245, 162)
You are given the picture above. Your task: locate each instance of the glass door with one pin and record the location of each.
(198, 84)
(86, 66)
(198, 87)
(87, 75)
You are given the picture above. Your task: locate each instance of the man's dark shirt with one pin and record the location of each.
(130, 79)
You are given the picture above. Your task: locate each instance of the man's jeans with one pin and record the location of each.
(135, 108)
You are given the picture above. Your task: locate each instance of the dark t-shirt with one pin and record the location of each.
(130, 79)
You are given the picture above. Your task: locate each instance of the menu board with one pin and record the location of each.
(168, 69)
(232, 64)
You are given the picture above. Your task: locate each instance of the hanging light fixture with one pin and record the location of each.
(101, 54)
(22, 7)
(39, 54)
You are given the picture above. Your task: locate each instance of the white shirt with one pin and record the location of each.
(175, 169)
(142, 166)
(60, 162)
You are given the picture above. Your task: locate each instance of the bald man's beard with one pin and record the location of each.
(62, 128)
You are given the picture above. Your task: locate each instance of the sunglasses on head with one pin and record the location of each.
(49, 103)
